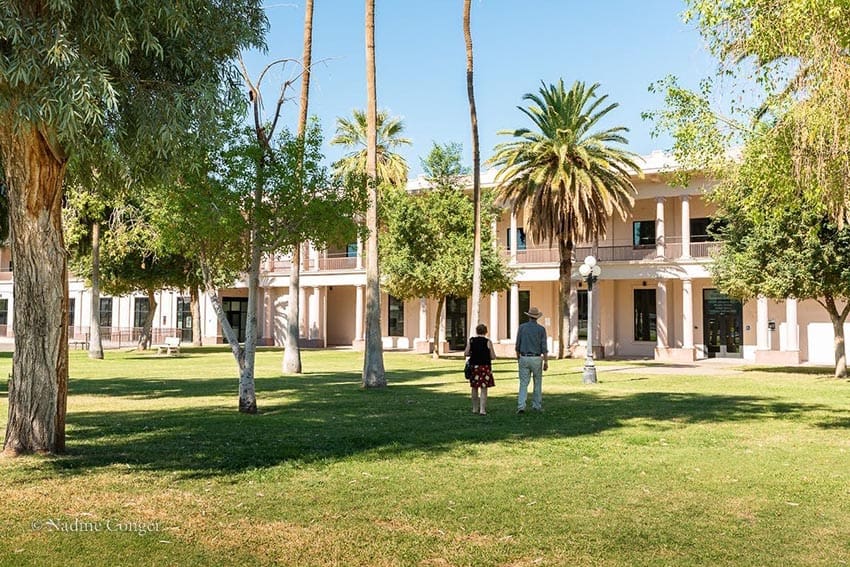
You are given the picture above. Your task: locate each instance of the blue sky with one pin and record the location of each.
(421, 68)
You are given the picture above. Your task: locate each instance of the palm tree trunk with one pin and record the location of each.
(292, 352)
(38, 387)
(437, 320)
(476, 174)
(146, 337)
(565, 270)
(838, 319)
(195, 306)
(373, 360)
(95, 340)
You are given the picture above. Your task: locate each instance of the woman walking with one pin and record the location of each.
(480, 351)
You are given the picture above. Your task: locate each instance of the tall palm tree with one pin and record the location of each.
(476, 172)
(351, 133)
(568, 177)
(373, 358)
(292, 353)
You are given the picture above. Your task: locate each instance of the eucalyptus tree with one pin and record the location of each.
(567, 175)
(426, 240)
(352, 133)
(73, 76)
(292, 352)
(476, 171)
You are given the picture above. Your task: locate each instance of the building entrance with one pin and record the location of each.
(722, 319)
(456, 322)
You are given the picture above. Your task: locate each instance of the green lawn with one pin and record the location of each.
(645, 468)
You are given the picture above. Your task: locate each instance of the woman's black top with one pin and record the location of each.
(478, 352)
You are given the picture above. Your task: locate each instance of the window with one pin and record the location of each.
(351, 250)
(141, 307)
(582, 314)
(643, 233)
(106, 312)
(704, 229)
(396, 316)
(4, 311)
(184, 317)
(520, 238)
(645, 315)
(72, 303)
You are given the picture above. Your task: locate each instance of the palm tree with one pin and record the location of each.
(373, 358)
(566, 176)
(292, 353)
(351, 133)
(476, 172)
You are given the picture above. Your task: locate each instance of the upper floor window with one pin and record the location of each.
(643, 233)
(704, 229)
(351, 250)
(520, 238)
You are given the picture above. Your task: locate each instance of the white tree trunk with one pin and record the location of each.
(95, 339)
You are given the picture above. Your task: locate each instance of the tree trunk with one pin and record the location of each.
(292, 352)
(838, 320)
(38, 387)
(195, 306)
(146, 336)
(247, 392)
(229, 335)
(438, 318)
(95, 340)
(373, 360)
(476, 175)
(565, 270)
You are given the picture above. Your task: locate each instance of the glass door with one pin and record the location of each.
(456, 322)
(722, 319)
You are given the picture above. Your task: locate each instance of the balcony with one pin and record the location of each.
(325, 262)
(616, 253)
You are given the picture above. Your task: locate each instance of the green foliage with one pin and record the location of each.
(779, 240)
(567, 175)
(131, 77)
(426, 245)
(351, 133)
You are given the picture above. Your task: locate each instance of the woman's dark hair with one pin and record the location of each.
(481, 329)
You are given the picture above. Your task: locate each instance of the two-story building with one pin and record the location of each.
(654, 299)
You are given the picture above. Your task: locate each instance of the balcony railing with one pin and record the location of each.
(615, 253)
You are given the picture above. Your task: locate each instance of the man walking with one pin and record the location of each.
(533, 357)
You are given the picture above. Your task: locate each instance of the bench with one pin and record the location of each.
(78, 344)
(171, 346)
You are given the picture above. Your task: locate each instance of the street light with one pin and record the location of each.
(590, 271)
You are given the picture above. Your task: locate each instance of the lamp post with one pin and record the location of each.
(590, 271)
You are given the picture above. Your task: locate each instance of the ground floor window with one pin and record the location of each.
(395, 308)
(72, 303)
(4, 311)
(105, 319)
(236, 311)
(141, 308)
(184, 317)
(645, 329)
(582, 314)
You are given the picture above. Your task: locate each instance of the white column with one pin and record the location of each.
(261, 311)
(573, 307)
(512, 238)
(494, 317)
(792, 340)
(513, 319)
(659, 227)
(325, 318)
(269, 316)
(762, 331)
(423, 319)
(686, 227)
(303, 314)
(661, 314)
(315, 313)
(687, 314)
(441, 334)
(358, 312)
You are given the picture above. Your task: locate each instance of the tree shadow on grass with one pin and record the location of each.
(325, 416)
(824, 371)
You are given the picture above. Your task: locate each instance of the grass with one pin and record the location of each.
(648, 467)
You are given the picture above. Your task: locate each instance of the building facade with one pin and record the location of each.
(654, 299)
